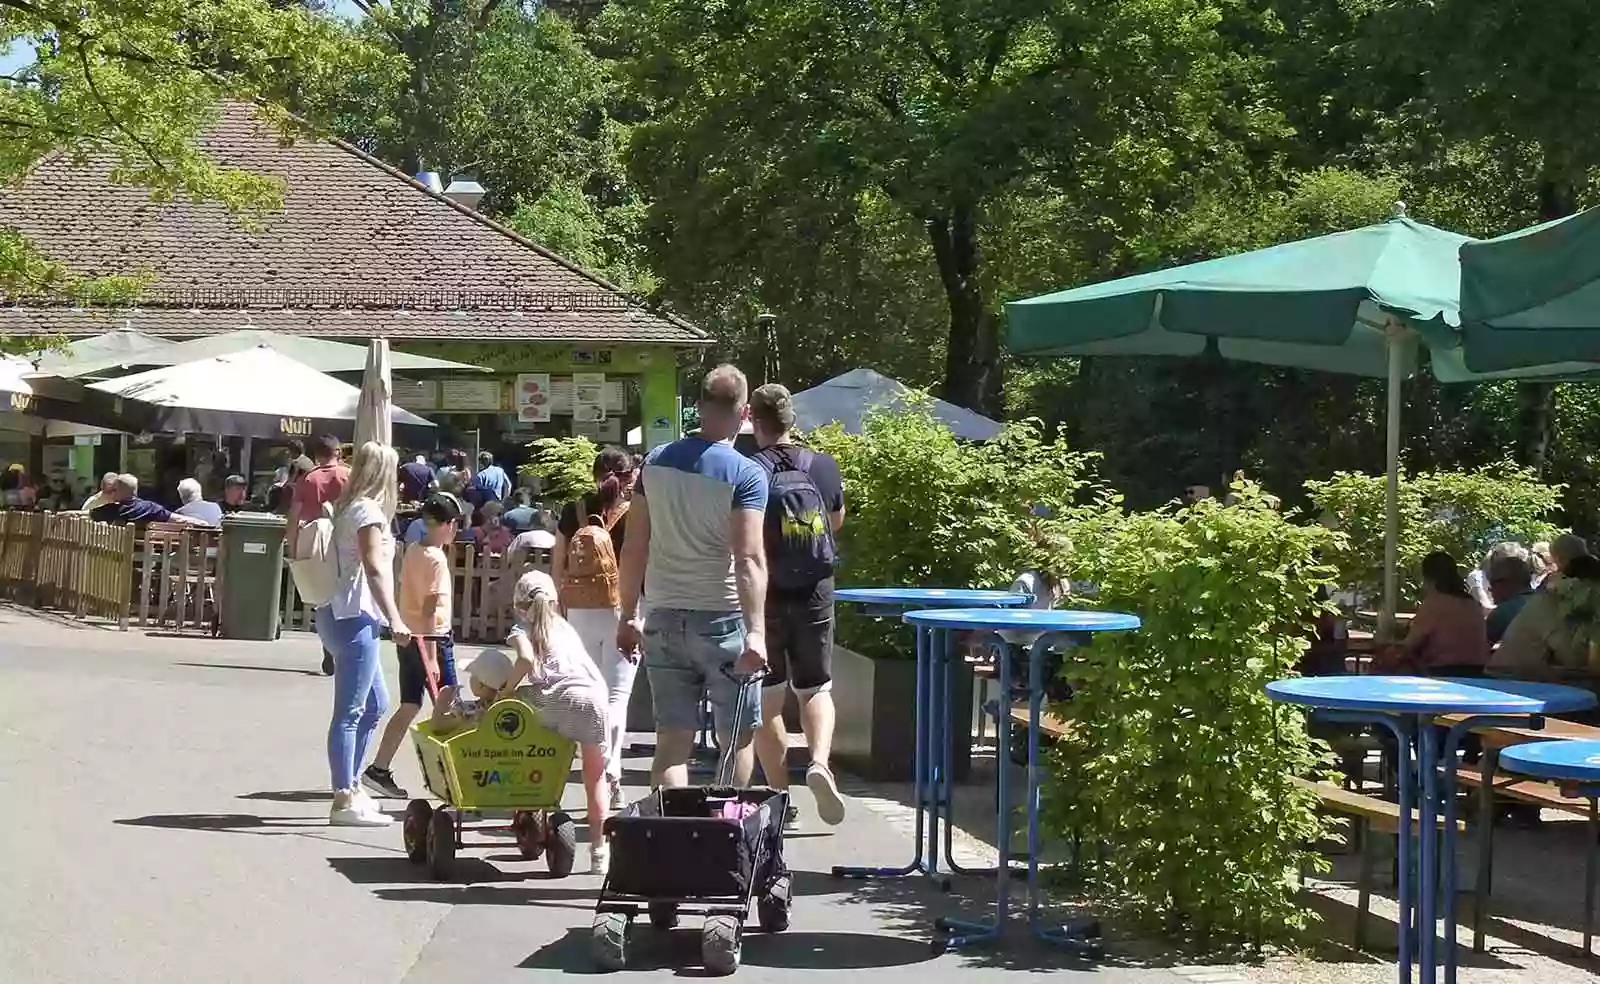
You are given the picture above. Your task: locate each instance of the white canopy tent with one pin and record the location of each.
(258, 392)
(315, 353)
(848, 398)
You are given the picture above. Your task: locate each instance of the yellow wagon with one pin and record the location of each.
(510, 765)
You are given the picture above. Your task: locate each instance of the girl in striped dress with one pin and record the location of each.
(555, 675)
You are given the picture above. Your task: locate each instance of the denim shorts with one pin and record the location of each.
(686, 655)
(414, 679)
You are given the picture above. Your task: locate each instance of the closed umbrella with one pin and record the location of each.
(377, 397)
(1359, 302)
(1533, 296)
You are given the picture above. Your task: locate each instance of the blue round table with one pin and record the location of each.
(1575, 765)
(1048, 628)
(930, 746)
(1406, 706)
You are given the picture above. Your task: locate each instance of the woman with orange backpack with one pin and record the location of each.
(584, 565)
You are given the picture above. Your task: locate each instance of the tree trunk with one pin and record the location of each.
(1536, 401)
(972, 375)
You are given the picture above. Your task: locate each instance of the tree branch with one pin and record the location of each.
(94, 89)
(17, 124)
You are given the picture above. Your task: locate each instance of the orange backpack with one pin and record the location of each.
(591, 579)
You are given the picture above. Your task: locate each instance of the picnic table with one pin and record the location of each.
(1410, 708)
(1497, 737)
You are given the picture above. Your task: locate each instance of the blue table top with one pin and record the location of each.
(1431, 695)
(1031, 619)
(1576, 759)
(943, 597)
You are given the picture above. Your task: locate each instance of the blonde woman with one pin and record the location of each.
(351, 625)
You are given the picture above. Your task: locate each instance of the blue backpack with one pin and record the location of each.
(799, 539)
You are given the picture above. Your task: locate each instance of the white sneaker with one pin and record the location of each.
(599, 859)
(347, 811)
(365, 802)
(830, 806)
(617, 800)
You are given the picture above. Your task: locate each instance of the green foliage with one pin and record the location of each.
(1463, 513)
(137, 80)
(925, 509)
(566, 465)
(1178, 763)
(778, 127)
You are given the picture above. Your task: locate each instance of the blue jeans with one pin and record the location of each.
(685, 654)
(359, 698)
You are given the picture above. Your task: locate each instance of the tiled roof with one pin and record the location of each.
(355, 247)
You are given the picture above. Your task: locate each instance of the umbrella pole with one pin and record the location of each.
(1391, 492)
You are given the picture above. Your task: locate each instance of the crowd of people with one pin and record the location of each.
(1528, 613)
(711, 569)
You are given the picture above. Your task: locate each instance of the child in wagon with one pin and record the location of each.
(555, 675)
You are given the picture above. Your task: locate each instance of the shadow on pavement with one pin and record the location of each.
(245, 666)
(507, 895)
(679, 951)
(290, 796)
(402, 871)
(219, 821)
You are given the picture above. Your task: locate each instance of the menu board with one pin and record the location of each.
(613, 395)
(533, 398)
(471, 394)
(416, 394)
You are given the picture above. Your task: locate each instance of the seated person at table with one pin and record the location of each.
(522, 515)
(194, 504)
(1564, 549)
(1553, 638)
(235, 495)
(492, 534)
(1511, 585)
(1478, 577)
(1447, 636)
(123, 505)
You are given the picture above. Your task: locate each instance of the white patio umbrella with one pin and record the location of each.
(373, 414)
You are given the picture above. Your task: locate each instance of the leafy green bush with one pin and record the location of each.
(1178, 762)
(565, 464)
(1464, 513)
(924, 509)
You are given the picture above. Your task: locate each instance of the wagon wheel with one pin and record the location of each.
(415, 830)
(772, 909)
(561, 844)
(663, 916)
(531, 832)
(608, 940)
(442, 844)
(721, 943)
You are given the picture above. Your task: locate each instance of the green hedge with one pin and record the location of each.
(1178, 763)
(1463, 512)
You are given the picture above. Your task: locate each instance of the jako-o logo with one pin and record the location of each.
(508, 724)
(536, 776)
(486, 777)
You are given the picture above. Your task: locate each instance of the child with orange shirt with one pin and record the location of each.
(428, 660)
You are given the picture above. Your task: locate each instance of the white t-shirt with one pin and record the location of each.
(354, 596)
(1034, 585)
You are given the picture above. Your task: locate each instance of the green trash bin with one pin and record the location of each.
(252, 575)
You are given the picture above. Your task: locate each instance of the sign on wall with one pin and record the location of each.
(416, 394)
(468, 395)
(534, 400)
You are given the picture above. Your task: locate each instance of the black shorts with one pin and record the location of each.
(414, 680)
(800, 639)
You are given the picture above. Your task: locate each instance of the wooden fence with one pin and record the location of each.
(169, 576)
(67, 562)
(482, 599)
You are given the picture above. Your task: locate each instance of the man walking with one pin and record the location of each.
(491, 481)
(805, 508)
(323, 484)
(694, 547)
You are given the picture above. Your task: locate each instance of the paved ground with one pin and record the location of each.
(165, 821)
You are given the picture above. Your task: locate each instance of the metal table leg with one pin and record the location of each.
(1076, 938)
(1486, 811)
(919, 785)
(967, 932)
(947, 792)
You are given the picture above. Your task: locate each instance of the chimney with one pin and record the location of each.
(464, 191)
(430, 179)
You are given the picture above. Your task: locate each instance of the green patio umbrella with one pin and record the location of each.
(1533, 296)
(1360, 302)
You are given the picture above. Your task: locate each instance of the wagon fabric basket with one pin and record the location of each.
(677, 844)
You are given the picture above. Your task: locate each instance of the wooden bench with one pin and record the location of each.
(1545, 795)
(1051, 724)
(1369, 814)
